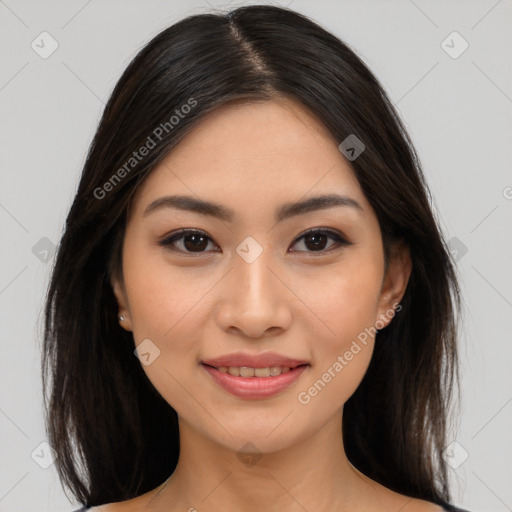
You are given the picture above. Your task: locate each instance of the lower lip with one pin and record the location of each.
(255, 387)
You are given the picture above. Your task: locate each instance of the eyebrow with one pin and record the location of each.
(286, 211)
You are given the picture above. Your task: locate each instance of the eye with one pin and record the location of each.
(315, 240)
(190, 240)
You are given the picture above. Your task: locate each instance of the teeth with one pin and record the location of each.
(246, 371)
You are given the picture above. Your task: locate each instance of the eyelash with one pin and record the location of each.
(168, 241)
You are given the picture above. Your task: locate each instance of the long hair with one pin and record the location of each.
(114, 434)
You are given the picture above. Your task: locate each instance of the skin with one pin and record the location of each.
(307, 304)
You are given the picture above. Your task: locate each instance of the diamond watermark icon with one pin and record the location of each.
(249, 454)
(455, 455)
(44, 455)
(44, 249)
(454, 45)
(44, 45)
(147, 352)
(249, 249)
(457, 248)
(351, 147)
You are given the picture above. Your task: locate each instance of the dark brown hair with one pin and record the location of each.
(115, 436)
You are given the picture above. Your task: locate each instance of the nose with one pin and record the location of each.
(253, 300)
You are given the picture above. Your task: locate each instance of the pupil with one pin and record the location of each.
(197, 241)
(317, 239)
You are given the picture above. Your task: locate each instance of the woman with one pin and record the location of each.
(252, 306)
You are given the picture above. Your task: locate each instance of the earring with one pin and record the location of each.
(122, 317)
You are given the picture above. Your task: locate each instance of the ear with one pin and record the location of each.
(394, 283)
(122, 301)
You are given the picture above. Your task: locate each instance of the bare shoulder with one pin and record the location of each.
(137, 504)
(396, 501)
(386, 499)
(403, 503)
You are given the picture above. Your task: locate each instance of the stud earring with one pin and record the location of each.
(122, 317)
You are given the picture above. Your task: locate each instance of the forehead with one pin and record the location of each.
(254, 152)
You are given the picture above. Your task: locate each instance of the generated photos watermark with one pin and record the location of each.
(304, 397)
(150, 143)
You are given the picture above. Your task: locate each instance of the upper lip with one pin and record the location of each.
(264, 360)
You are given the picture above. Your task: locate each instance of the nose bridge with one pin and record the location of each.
(253, 278)
(252, 299)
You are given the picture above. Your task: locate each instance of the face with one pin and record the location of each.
(303, 283)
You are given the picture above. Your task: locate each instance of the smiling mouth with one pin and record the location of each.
(255, 383)
(248, 372)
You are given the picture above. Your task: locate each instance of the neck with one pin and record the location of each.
(313, 474)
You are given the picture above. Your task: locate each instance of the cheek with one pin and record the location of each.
(164, 300)
(346, 299)
(167, 307)
(347, 303)
(342, 356)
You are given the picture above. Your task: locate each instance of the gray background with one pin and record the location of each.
(458, 112)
